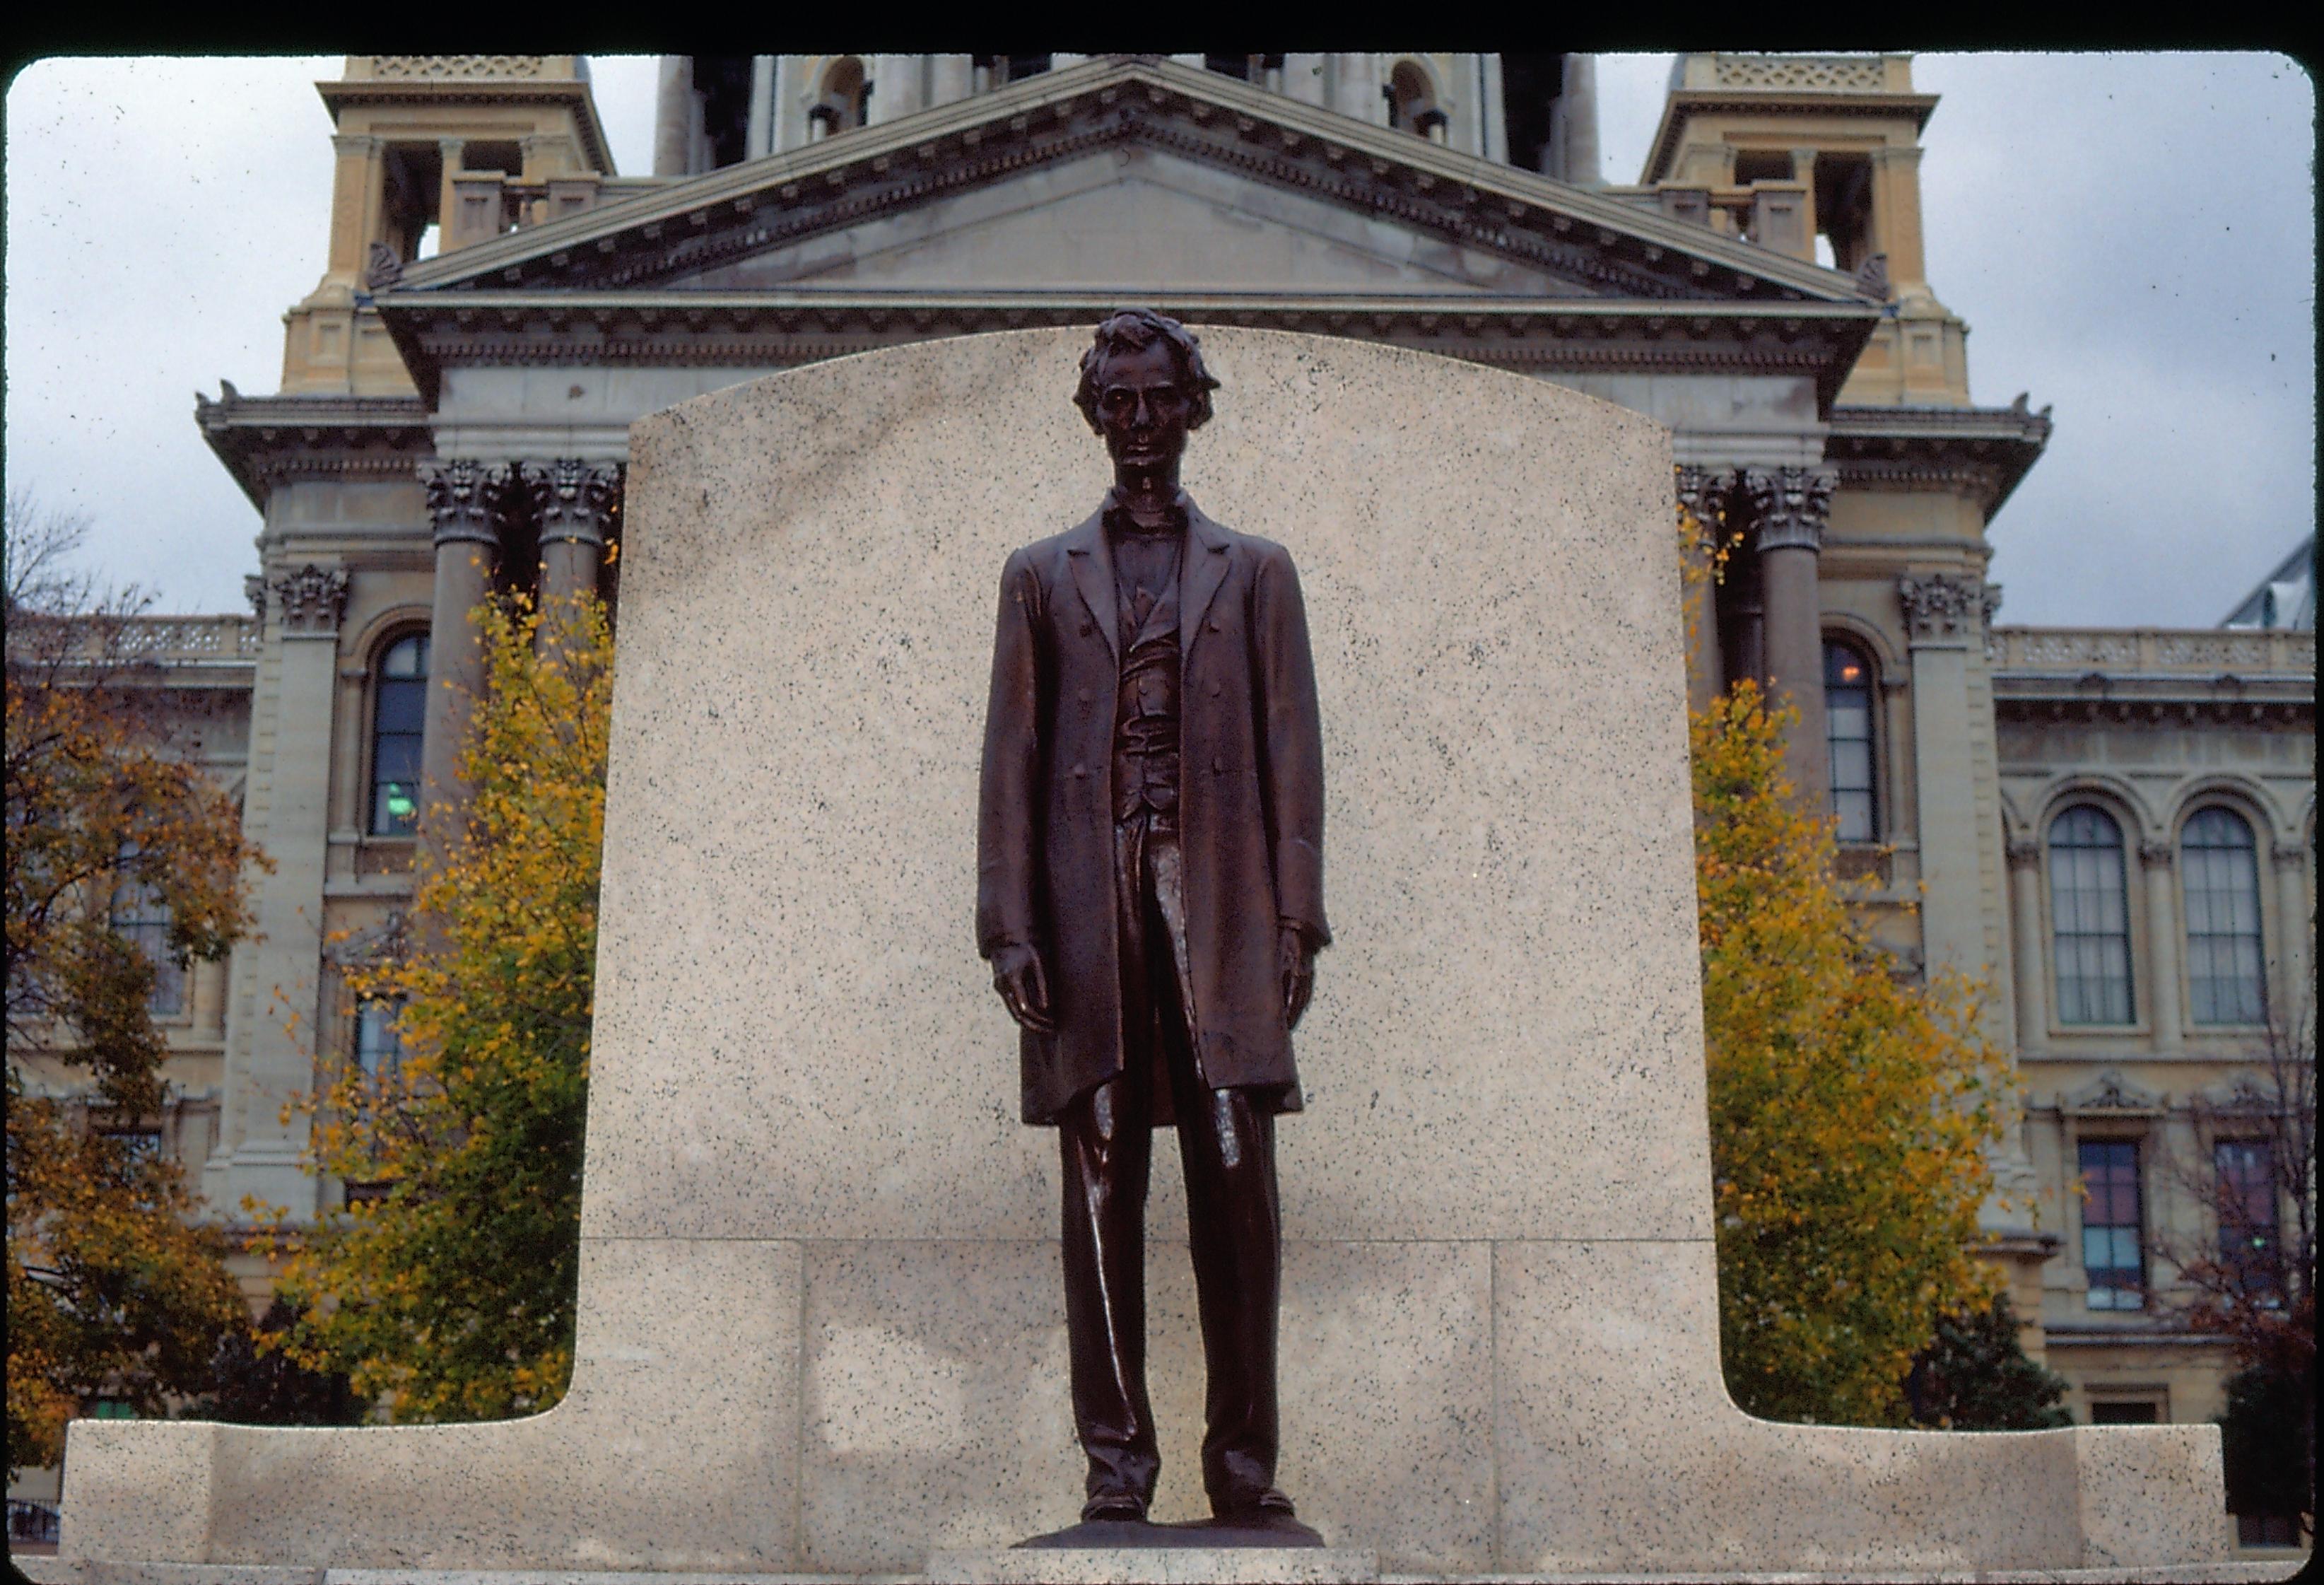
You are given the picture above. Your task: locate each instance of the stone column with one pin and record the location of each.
(951, 79)
(1303, 77)
(2026, 949)
(279, 963)
(1945, 614)
(674, 115)
(1703, 494)
(1896, 214)
(2290, 859)
(1578, 108)
(355, 195)
(464, 497)
(573, 502)
(760, 138)
(1791, 504)
(1353, 77)
(2163, 1005)
(895, 88)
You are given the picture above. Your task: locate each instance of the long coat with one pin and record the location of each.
(1250, 802)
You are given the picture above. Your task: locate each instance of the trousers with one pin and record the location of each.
(1227, 1145)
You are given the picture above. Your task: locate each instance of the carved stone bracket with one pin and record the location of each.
(2288, 854)
(254, 589)
(574, 500)
(382, 269)
(1792, 503)
(311, 601)
(2156, 854)
(2112, 1095)
(383, 942)
(464, 497)
(1941, 606)
(2024, 851)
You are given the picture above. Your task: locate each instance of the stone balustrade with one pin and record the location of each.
(2200, 652)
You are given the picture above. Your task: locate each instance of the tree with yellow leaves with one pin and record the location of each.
(111, 1292)
(1849, 1112)
(446, 1286)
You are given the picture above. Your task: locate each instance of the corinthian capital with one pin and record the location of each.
(1944, 606)
(308, 602)
(574, 500)
(463, 496)
(1792, 504)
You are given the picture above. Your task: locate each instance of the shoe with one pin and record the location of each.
(1123, 1506)
(1243, 1507)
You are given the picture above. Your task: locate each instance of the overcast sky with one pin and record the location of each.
(2130, 238)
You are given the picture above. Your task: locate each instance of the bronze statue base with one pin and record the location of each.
(1254, 1530)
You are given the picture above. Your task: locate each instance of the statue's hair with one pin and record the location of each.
(1134, 330)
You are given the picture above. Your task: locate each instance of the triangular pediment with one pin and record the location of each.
(1122, 173)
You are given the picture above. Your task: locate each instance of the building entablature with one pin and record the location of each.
(265, 439)
(2153, 675)
(1982, 452)
(775, 329)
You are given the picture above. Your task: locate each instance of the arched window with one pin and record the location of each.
(846, 99)
(398, 706)
(1412, 102)
(2218, 872)
(1848, 739)
(2089, 918)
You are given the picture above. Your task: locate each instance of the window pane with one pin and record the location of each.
(379, 1051)
(2218, 868)
(2112, 1255)
(403, 707)
(2089, 917)
(399, 710)
(140, 918)
(1848, 741)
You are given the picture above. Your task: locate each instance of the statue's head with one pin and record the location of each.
(1143, 385)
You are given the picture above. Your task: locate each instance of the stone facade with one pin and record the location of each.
(456, 423)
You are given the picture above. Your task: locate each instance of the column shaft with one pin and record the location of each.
(2163, 1004)
(464, 499)
(1792, 503)
(1944, 614)
(1796, 664)
(2026, 951)
(2291, 934)
(1578, 108)
(674, 115)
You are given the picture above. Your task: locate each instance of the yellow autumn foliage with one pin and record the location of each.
(1851, 1107)
(447, 1287)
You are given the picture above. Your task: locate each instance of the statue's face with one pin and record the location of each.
(1142, 406)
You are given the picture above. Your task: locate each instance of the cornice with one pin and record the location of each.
(265, 439)
(783, 329)
(436, 90)
(1682, 103)
(1976, 451)
(687, 225)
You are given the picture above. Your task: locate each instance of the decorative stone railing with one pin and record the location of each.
(2196, 652)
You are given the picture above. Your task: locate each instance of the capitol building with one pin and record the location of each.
(2115, 828)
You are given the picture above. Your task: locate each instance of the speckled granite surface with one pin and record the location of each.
(822, 1325)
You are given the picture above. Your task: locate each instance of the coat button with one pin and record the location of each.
(1214, 624)
(1081, 770)
(1218, 763)
(1217, 689)
(1086, 629)
(1087, 694)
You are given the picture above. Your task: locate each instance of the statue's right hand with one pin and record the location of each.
(1016, 975)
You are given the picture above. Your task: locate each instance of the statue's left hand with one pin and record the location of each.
(1297, 960)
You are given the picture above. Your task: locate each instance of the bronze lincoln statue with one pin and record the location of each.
(1150, 895)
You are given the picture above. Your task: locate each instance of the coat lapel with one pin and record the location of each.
(1093, 565)
(1203, 567)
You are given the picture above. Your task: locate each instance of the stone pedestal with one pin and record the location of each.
(822, 1315)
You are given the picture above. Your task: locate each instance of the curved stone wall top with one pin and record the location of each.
(795, 1038)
